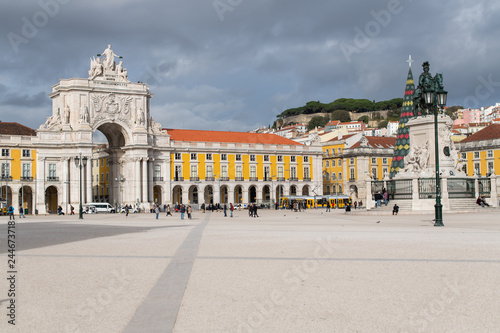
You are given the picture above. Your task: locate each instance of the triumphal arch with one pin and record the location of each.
(108, 102)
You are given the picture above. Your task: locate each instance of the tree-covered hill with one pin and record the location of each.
(348, 104)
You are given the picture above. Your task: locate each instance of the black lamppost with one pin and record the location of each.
(79, 163)
(435, 97)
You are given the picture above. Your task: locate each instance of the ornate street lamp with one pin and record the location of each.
(436, 98)
(79, 163)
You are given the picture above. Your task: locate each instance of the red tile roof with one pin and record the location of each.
(489, 133)
(15, 129)
(228, 137)
(378, 142)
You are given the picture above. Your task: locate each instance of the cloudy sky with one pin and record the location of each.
(236, 64)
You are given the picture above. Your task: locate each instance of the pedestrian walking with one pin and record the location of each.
(11, 213)
(189, 211)
(126, 210)
(21, 212)
(72, 210)
(355, 204)
(157, 211)
(255, 210)
(203, 207)
(328, 206)
(225, 210)
(183, 211)
(168, 211)
(59, 211)
(231, 208)
(386, 197)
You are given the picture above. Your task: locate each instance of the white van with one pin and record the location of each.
(100, 207)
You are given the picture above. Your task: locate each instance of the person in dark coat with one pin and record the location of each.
(395, 209)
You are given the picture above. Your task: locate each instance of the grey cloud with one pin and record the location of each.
(264, 55)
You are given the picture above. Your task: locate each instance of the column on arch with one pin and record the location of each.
(88, 182)
(150, 180)
(137, 181)
(64, 199)
(144, 180)
(167, 181)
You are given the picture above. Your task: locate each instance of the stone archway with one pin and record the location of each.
(252, 194)
(280, 191)
(177, 195)
(266, 193)
(238, 194)
(305, 190)
(224, 189)
(51, 200)
(26, 198)
(208, 194)
(6, 194)
(157, 193)
(193, 194)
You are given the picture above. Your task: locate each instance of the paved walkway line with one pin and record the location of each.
(159, 310)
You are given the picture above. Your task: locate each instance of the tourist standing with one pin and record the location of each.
(157, 211)
(189, 211)
(386, 197)
(327, 205)
(231, 208)
(11, 213)
(168, 211)
(183, 210)
(225, 210)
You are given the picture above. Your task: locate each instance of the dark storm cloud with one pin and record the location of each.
(236, 64)
(14, 99)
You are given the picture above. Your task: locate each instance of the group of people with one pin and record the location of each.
(382, 196)
(252, 210)
(481, 201)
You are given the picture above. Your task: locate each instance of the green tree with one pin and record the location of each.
(383, 123)
(452, 111)
(341, 115)
(364, 119)
(317, 121)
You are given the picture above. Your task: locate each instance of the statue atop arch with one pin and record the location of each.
(104, 65)
(109, 59)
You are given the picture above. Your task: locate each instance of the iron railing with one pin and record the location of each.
(427, 188)
(461, 188)
(400, 189)
(485, 187)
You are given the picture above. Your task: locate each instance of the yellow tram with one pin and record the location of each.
(318, 201)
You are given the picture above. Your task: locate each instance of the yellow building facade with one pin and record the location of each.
(18, 167)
